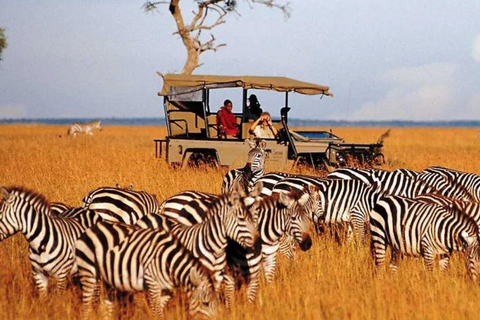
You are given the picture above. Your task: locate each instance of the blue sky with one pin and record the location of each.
(383, 60)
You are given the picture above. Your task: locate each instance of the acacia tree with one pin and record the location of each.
(208, 15)
(3, 41)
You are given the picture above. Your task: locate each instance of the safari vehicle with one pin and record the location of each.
(193, 133)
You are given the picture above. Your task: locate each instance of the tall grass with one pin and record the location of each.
(327, 282)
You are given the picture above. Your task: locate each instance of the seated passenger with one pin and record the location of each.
(227, 123)
(263, 127)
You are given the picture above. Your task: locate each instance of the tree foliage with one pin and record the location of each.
(3, 41)
(208, 15)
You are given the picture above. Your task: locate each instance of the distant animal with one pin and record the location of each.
(84, 127)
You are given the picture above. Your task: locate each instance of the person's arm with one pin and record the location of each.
(221, 118)
(254, 125)
(272, 127)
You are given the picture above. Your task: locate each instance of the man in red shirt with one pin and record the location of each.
(227, 123)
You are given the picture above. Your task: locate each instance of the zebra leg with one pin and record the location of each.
(379, 249)
(359, 228)
(269, 264)
(108, 302)
(229, 282)
(90, 294)
(428, 257)
(394, 260)
(254, 264)
(443, 262)
(41, 283)
(62, 281)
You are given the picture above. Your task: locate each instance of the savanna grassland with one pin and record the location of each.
(327, 282)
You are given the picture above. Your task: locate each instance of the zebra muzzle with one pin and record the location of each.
(306, 243)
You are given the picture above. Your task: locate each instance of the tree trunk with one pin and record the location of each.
(193, 52)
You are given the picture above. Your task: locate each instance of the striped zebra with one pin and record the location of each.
(417, 229)
(469, 182)
(276, 215)
(84, 128)
(228, 218)
(128, 258)
(404, 182)
(51, 238)
(121, 205)
(58, 208)
(253, 170)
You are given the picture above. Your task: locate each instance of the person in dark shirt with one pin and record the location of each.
(253, 109)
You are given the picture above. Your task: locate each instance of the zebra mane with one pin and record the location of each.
(30, 196)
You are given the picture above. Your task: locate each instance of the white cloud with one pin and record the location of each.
(476, 48)
(12, 112)
(420, 93)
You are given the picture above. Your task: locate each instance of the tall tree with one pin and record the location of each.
(208, 15)
(3, 41)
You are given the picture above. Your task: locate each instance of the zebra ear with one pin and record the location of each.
(251, 143)
(312, 189)
(195, 277)
(466, 239)
(304, 198)
(257, 189)
(285, 200)
(262, 144)
(5, 193)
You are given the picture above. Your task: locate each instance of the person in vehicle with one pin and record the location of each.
(253, 109)
(226, 121)
(263, 127)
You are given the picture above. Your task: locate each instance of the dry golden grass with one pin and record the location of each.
(328, 282)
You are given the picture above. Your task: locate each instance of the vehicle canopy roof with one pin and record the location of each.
(181, 83)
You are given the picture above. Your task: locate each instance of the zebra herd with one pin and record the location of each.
(211, 244)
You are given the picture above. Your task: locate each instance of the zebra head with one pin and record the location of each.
(17, 204)
(257, 155)
(97, 124)
(470, 244)
(313, 204)
(239, 223)
(203, 299)
(297, 218)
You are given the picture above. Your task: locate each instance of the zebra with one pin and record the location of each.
(416, 228)
(276, 215)
(470, 182)
(121, 205)
(84, 127)
(228, 217)
(404, 182)
(129, 258)
(51, 238)
(58, 208)
(253, 170)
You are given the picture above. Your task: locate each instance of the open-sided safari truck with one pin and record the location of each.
(193, 134)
